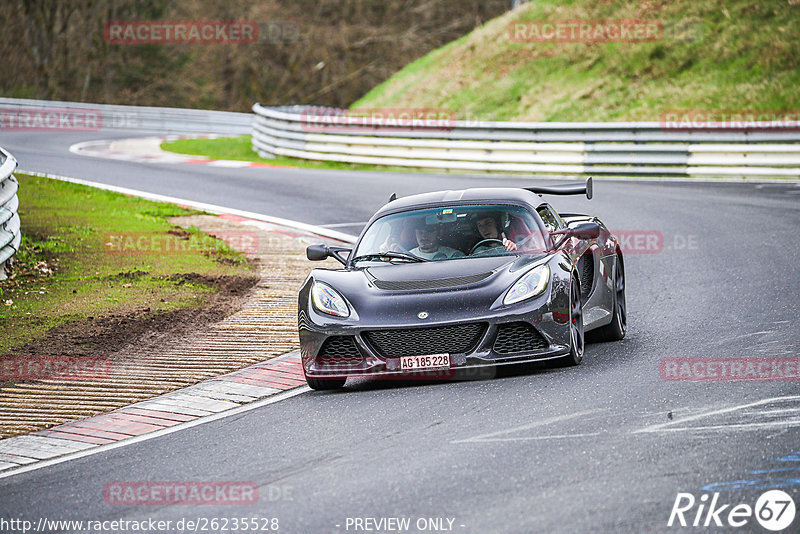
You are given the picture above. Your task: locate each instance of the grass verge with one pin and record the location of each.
(240, 149)
(87, 253)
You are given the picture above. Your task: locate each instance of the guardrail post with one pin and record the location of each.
(10, 229)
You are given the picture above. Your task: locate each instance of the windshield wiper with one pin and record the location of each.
(391, 255)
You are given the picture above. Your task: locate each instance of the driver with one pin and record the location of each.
(488, 227)
(430, 248)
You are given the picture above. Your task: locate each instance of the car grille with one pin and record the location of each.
(518, 337)
(339, 350)
(437, 283)
(456, 339)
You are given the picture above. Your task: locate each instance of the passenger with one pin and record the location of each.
(488, 227)
(430, 248)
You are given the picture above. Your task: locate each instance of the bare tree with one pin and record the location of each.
(327, 52)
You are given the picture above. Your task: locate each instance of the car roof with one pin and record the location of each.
(514, 195)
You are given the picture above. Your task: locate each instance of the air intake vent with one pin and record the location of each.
(457, 339)
(438, 283)
(339, 350)
(518, 337)
(587, 274)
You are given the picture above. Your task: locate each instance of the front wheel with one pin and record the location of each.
(576, 334)
(321, 384)
(615, 330)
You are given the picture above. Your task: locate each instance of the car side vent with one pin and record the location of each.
(586, 268)
(437, 283)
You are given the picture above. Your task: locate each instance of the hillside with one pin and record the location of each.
(721, 55)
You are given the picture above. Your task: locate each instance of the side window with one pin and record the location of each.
(551, 221)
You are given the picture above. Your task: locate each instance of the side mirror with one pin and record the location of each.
(317, 252)
(323, 252)
(588, 230)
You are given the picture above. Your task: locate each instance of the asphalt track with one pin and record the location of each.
(606, 446)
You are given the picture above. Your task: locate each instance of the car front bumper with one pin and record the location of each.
(548, 320)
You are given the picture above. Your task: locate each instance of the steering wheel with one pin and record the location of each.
(483, 242)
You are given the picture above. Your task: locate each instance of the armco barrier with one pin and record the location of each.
(18, 114)
(621, 148)
(10, 234)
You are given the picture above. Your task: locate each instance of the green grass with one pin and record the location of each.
(234, 148)
(240, 149)
(719, 55)
(69, 229)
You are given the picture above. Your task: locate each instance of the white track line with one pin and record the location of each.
(670, 426)
(492, 436)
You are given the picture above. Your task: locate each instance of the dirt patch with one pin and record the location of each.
(180, 232)
(101, 336)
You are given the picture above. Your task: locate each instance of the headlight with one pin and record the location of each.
(328, 300)
(532, 283)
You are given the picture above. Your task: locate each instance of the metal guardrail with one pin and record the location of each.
(623, 148)
(43, 115)
(10, 232)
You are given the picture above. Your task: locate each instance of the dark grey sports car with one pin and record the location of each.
(440, 282)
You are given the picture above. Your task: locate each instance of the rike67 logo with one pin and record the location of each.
(774, 510)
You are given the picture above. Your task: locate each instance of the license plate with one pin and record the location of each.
(430, 361)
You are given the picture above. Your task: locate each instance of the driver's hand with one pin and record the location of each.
(392, 244)
(510, 245)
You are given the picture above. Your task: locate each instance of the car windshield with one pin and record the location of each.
(449, 233)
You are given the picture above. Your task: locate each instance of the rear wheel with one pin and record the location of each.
(576, 334)
(325, 383)
(615, 330)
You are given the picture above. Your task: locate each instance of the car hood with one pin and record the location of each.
(445, 290)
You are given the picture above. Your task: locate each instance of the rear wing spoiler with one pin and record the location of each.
(564, 189)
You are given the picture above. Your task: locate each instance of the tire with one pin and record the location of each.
(616, 329)
(322, 384)
(576, 332)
